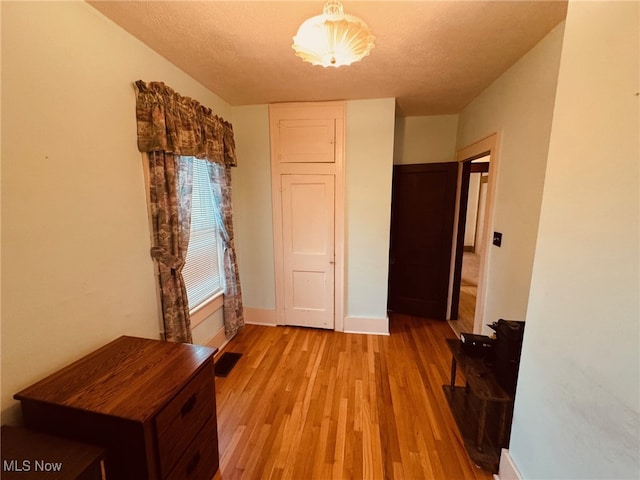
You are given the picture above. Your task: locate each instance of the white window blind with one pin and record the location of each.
(201, 271)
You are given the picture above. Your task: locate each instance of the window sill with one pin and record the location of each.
(206, 309)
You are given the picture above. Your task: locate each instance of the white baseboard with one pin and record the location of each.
(260, 316)
(370, 326)
(507, 469)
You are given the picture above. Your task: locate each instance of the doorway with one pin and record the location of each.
(472, 239)
(462, 293)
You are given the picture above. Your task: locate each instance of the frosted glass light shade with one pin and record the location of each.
(333, 39)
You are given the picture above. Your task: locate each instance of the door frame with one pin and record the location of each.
(310, 110)
(487, 146)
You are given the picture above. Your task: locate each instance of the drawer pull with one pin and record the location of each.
(188, 405)
(193, 463)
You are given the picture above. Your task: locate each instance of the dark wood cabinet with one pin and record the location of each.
(482, 408)
(150, 403)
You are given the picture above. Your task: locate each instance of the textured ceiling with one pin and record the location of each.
(434, 57)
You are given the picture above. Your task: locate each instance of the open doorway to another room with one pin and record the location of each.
(475, 182)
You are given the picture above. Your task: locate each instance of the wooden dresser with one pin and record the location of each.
(150, 403)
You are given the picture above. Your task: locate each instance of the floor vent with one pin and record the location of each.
(225, 363)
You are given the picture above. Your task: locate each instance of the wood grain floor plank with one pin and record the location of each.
(306, 404)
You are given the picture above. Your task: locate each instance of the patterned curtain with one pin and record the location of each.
(170, 185)
(169, 122)
(169, 126)
(221, 186)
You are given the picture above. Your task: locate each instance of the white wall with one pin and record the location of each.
(369, 170)
(209, 331)
(481, 239)
(75, 238)
(252, 210)
(472, 210)
(578, 407)
(425, 139)
(519, 106)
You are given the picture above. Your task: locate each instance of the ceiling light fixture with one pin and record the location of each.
(333, 39)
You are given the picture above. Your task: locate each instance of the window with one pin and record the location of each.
(202, 270)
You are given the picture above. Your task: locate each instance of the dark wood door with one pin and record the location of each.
(422, 211)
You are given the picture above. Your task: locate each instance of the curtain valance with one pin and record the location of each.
(171, 123)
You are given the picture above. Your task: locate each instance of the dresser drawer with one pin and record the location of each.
(181, 419)
(200, 460)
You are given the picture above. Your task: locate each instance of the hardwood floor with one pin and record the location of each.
(315, 404)
(466, 310)
(468, 294)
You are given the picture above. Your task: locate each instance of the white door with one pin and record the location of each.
(308, 244)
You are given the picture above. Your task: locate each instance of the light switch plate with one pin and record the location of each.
(497, 239)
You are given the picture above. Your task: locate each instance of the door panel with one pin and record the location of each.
(306, 141)
(308, 242)
(422, 211)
